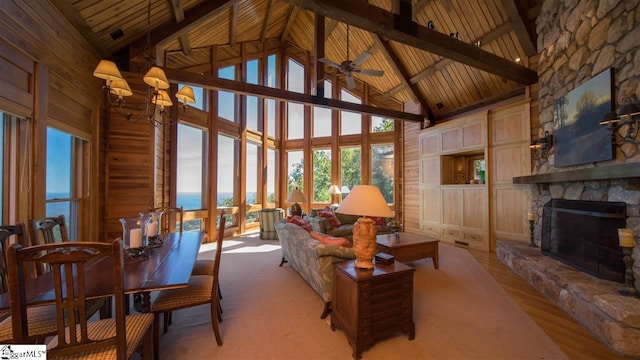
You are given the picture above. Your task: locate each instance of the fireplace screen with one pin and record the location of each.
(584, 234)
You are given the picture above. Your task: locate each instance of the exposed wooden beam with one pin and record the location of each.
(319, 54)
(215, 83)
(402, 29)
(172, 30)
(233, 25)
(66, 9)
(178, 14)
(290, 20)
(399, 69)
(519, 91)
(267, 20)
(519, 27)
(442, 63)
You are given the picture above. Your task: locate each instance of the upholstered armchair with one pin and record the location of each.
(268, 219)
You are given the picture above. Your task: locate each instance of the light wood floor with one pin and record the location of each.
(574, 339)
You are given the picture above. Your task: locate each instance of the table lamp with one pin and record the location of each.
(365, 200)
(334, 190)
(295, 197)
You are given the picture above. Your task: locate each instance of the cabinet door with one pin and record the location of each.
(430, 204)
(430, 171)
(450, 140)
(451, 207)
(474, 209)
(473, 135)
(430, 144)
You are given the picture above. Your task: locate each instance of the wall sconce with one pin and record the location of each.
(542, 145)
(624, 125)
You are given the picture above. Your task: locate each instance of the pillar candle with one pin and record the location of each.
(531, 215)
(152, 229)
(135, 238)
(625, 236)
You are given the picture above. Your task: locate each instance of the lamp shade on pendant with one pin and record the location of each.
(186, 95)
(156, 77)
(107, 70)
(120, 87)
(162, 99)
(365, 200)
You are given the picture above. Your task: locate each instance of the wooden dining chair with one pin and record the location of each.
(172, 218)
(76, 336)
(43, 320)
(202, 289)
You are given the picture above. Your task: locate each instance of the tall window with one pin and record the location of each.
(350, 123)
(226, 170)
(2, 156)
(295, 170)
(382, 170)
(350, 167)
(322, 116)
(271, 71)
(271, 175)
(271, 117)
(295, 121)
(227, 100)
(60, 189)
(295, 76)
(252, 101)
(321, 175)
(381, 124)
(251, 194)
(191, 152)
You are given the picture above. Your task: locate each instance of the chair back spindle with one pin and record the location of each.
(6, 232)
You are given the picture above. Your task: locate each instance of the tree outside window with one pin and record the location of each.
(321, 175)
(382, 169)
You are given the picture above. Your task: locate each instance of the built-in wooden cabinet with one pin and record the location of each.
(455, 206)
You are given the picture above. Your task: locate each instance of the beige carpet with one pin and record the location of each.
(460, 312)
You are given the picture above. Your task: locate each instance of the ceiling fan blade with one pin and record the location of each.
(329, 62)
(361, 58)
(370, 72)
(351, 83)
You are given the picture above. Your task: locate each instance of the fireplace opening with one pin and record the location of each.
(584, 234)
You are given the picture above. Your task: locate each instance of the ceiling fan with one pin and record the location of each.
(348, 67)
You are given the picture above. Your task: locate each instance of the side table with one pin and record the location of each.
(372, 304)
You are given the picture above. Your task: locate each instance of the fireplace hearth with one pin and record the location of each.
(583, 234)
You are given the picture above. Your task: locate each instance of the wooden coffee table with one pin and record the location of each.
(409, 247)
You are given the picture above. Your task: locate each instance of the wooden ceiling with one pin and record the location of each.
(445, 74)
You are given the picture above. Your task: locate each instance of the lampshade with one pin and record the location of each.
(345, 189)
(365, 200)
(296, 196)
(162, 99)
(156, 77)
(120, 87)
(186, 95)
(334, 190)
(107, 70)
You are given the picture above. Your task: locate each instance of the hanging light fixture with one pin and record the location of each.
(156, 93)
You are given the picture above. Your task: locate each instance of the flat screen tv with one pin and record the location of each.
(578, 136)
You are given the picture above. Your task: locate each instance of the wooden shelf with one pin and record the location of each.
(621, 171)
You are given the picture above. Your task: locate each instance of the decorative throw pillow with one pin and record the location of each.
(297, 220)
(328, 214)
(330, 240)
(377, 220)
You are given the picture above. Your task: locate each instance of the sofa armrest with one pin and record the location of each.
(319, 224)
(333, 250)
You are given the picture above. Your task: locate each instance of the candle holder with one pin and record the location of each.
(629, 280)
(154, 235)
(134, 237)
(531, 228)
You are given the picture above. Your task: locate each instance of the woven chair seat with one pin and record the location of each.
(42, 320)
(203, 267)
(197, 291)
(136, 325)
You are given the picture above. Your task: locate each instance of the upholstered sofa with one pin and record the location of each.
(312, 259)
(322, 225)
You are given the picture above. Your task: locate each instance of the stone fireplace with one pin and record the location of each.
(576, 41)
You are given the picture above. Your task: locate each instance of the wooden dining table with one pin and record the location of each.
(164, 267)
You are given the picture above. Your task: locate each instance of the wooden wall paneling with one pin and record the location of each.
(411, 219)
(16, 81)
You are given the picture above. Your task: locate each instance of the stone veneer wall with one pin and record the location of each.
(578, 39)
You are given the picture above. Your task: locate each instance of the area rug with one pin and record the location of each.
(270, 312)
